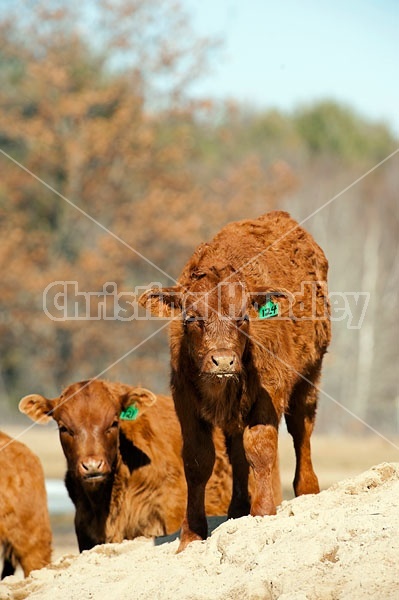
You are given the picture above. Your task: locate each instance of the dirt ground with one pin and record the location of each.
(335, 459)
(342, 543)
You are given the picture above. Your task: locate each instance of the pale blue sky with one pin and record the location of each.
(291, 52)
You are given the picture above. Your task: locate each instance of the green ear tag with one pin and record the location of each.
(130, 414)
(268, 310)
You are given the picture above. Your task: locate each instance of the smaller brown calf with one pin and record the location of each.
(25, 533)
(124, 468)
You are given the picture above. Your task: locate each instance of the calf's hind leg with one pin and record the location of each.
(300, 420)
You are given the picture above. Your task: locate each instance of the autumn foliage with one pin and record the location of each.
(110, 171)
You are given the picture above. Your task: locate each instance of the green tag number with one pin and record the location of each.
(269, 310)
(130, 414)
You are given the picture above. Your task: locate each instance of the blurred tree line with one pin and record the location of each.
(98, 126)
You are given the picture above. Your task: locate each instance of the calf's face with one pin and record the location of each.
(88, 434)
(215, 314)
(215, 327)
(88, 417)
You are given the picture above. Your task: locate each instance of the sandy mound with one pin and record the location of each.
(342, 543)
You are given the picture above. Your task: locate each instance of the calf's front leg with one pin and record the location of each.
(260, 443)
(198, 458)
(239, 505)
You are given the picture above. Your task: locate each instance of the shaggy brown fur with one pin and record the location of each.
(125, 477)
(25, 533)
(232, 369)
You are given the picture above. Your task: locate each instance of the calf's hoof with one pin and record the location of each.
(238, 509)
(307, 485)
(186, 539)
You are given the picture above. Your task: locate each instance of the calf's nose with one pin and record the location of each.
(92, 465)
(223, 361)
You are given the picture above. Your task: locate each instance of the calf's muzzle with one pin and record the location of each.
(93, 468)
(223, 363)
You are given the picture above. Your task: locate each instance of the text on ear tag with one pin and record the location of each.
(130, 414)
(268, 310)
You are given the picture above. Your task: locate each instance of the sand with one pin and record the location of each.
(341, 543)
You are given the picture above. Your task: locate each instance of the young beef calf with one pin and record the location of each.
(124, 468)
(250, 328)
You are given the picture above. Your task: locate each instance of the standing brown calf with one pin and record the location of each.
(243, 354)
(25, 533)
(125, 477)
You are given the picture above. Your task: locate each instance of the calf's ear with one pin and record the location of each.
(37, 408)
(163, 302)
(259, 296)
(135, 401)
(141, 397)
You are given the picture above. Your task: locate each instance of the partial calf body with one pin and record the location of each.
(25, 533)
(243, 353)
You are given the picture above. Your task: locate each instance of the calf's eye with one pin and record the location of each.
(62, 429)
(190, 319)
(243, 321)
(113, 426)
